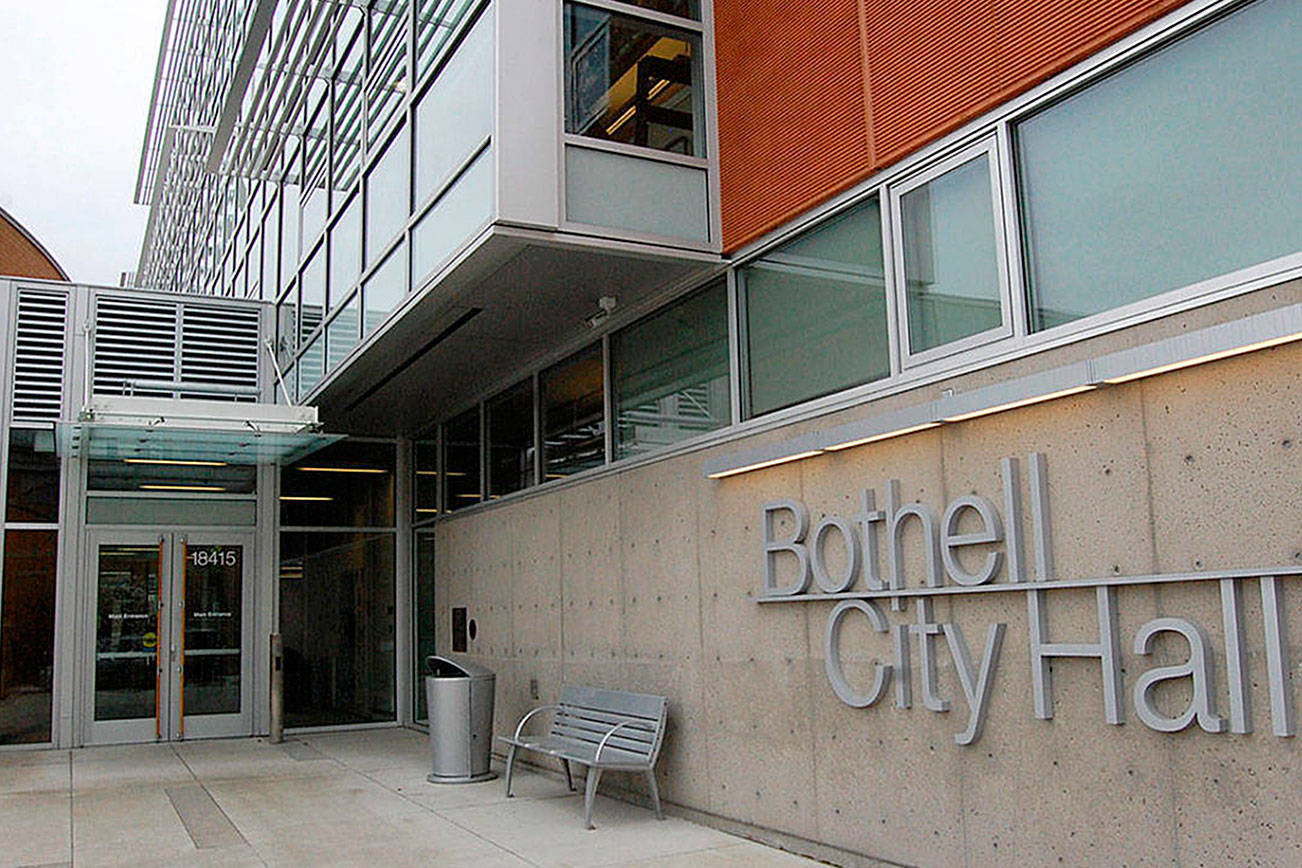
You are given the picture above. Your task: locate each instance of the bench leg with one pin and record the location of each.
(569, 777)
(510, 761)
(594, 775)
(655, 793)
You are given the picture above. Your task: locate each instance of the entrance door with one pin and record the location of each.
(171, 635)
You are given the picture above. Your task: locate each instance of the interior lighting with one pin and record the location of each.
(175, 462)
(342, 469)
(772, 462)
(621, 120)
(427, 510)
(900, 432)
(1024, 402)
(304, 498)
(476, 495)
(151, 487)
(1210, 357)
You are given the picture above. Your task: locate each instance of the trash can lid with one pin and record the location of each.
(438, 666)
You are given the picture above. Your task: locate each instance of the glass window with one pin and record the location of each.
(1178, 168)
(156, 474)
(461, 485)
(670, 373)
(387, 75)
(436, 21)
(286, 331)
(347, 135)
(385, 288)
(815, 312)
(460, 212)
(681, 8)
(27, 636)
(337, 621)
(387, 197)
(631, 81)
(424, 617)
(951, 257)
(289, 241)
(346, 484)
(341, 334)
(271, 252)
(425, 455)
(345, 252)
(310, 366)
(509, 419)
(462, 91)
(574, 424)
(33, 476)
(312, 294)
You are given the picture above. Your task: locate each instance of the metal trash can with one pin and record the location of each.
(459, 696)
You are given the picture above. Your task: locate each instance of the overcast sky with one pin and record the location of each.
(75, 79)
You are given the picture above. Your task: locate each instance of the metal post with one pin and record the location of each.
(277, 716)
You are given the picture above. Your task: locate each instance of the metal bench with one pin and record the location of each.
(602, 730)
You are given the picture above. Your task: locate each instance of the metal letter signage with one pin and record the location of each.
(798, 559)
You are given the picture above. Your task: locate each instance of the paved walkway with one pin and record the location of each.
(354, 798)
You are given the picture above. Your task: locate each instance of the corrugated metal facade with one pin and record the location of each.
(815, 96)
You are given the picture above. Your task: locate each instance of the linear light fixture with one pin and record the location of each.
(175, 462)
(1210, 357)
(426, 510)
(887, 435)
(342, 469)
(621, 120)
(1024, 402)
(304, 498)
(772, 462)
(153, 487)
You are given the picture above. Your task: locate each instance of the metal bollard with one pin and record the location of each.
(277, 717)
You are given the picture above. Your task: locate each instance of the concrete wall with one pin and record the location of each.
(646, 580)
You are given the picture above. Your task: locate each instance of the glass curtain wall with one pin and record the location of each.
(27, 588)
(573, 414)
(337, 591)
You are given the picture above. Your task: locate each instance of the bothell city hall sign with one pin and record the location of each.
(857, 583)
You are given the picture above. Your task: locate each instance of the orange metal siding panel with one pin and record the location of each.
(797, 125)
(792, 123)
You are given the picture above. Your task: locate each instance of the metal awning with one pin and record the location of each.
(183, 429)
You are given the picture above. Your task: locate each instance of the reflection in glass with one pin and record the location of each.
(463, 90)
(337, 621)
(461, 461)
(1178, 168)
(436, 22)
(509, 419)
(574, 424)
(164, 475)
(346, 484)
(387, 196)
(460, 212)
(671, 373)
(951, 267)
(342, 334)
(312, 294)
(33, 476)
(424, 616)
(126, 632)
(387, 70)
(310, 366)
(385, 288)
(815, 312)
(213, 585)
(27, 636)
(426, 487)
(630, 81)
(345, 252)
(286, 331)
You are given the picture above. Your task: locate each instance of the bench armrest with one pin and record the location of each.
(530, 714)
(610, 733)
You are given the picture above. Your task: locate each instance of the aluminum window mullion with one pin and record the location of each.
(607, 398)
(733, 284)
(1012, 248)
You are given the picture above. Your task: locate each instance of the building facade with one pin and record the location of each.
(908, 393)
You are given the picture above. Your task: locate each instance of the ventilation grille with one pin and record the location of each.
(38, 355)
(194, 344)
(219, 346)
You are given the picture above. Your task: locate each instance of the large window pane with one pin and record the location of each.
(424, 617)
(574, 424)
(670, 373)
(1178, 168)
(342, 334)
(347, 484)
(816, 312)
(143, 474)
(951, 269)
(454, 219)
(425, 456)
(461, 477)
(385, 289)
(631, 81)
(27, 636)
(345, 252)
(455, 115)
(387, 197)
(312, 294)
(337, 622)
(509, 418)
(33, 476)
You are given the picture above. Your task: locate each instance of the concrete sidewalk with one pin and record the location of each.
(352, 798)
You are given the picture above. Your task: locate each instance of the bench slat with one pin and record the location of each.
(616, 701)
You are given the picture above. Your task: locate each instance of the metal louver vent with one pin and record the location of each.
(40, 339)
(133, 341)
(219, 347)
(151, 349)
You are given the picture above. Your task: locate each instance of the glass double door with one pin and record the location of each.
(171, 624)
